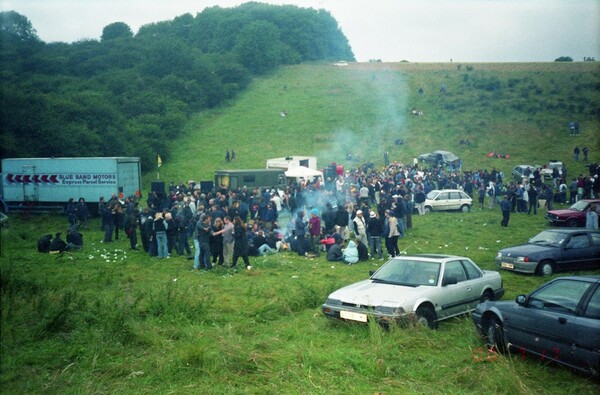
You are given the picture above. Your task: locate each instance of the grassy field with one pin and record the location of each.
(111, 320)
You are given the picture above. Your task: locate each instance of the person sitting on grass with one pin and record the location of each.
(350, 253)
(334, 253)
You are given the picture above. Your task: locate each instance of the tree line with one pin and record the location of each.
(127, 94)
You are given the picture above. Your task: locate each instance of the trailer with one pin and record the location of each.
(250, 178)
(46, 184)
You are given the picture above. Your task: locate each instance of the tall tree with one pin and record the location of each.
(116, 30)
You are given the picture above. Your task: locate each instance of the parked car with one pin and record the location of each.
(547, 170)
(552, 251)
(439, 157)
(421, 288)
(558, 322)
(447, 199)
(524, 171)
(572, 216)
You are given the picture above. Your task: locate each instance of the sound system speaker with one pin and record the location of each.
(206, 186)
(159, 188)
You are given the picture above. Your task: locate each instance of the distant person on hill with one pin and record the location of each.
(585, 153)
(576, 152)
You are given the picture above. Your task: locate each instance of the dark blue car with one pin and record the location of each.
(552, 251)
(559, 322)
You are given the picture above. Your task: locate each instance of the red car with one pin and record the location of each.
(572, 216)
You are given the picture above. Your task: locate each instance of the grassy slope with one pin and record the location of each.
(519, 109)
(105, 320)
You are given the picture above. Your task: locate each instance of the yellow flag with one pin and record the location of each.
(159, 160)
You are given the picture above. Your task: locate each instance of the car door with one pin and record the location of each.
(442, 201)
(457, 298)
(547, 321)
(579, 253)
(586, 343)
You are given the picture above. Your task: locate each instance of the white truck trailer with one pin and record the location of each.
(45, 184)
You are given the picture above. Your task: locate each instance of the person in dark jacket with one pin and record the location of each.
(363, 251)
(74, 239)
(334, 253)
(300, 232)
(203, 233)
(374, 231)
(240, 243)
(57, 245)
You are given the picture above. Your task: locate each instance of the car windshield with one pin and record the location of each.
(580, 205)
(548, 238)
(432, 194)
(408, 272)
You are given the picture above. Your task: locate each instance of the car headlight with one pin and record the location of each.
(522, 259)
(499, 255)
(389, 310)
(330, 301)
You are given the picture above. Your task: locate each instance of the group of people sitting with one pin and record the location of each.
(56, 245)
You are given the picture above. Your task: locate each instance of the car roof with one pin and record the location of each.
(430, 257)
(570, 230)
(584, 277)
(446, 190)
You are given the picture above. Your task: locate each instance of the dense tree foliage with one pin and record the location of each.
(127, 95)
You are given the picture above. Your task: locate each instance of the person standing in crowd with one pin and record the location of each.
(171, 233)
(314, 229)
(420, 200)
(591, 218)
(82, 213)
(481, 194)
(130, 224)
(216, 242)
(533, 199)
(71, 211)
(505, 207)
(300, 232)
(374, 230)
(392, 234)
(360, 227)
(228, 241)
(203, 232)
(160, 232)
(240, 244)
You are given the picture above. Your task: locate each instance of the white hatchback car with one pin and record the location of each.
(447, 199)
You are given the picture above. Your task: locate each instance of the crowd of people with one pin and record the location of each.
(349, 216)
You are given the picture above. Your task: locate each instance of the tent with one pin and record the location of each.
(304, 172)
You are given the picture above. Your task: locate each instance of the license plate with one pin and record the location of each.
(508, 265)
(349, 315)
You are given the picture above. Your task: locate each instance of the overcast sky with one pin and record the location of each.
(390, 30)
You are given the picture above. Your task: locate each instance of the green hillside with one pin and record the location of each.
(519, 109)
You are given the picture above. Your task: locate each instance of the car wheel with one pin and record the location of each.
(426, 317)
(572, 223)
(465, 208)
(494, 334)
(487, 295)
(545, 268)
(427, 209)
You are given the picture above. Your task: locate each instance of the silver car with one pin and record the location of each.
(421, 288)
(447, 199)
